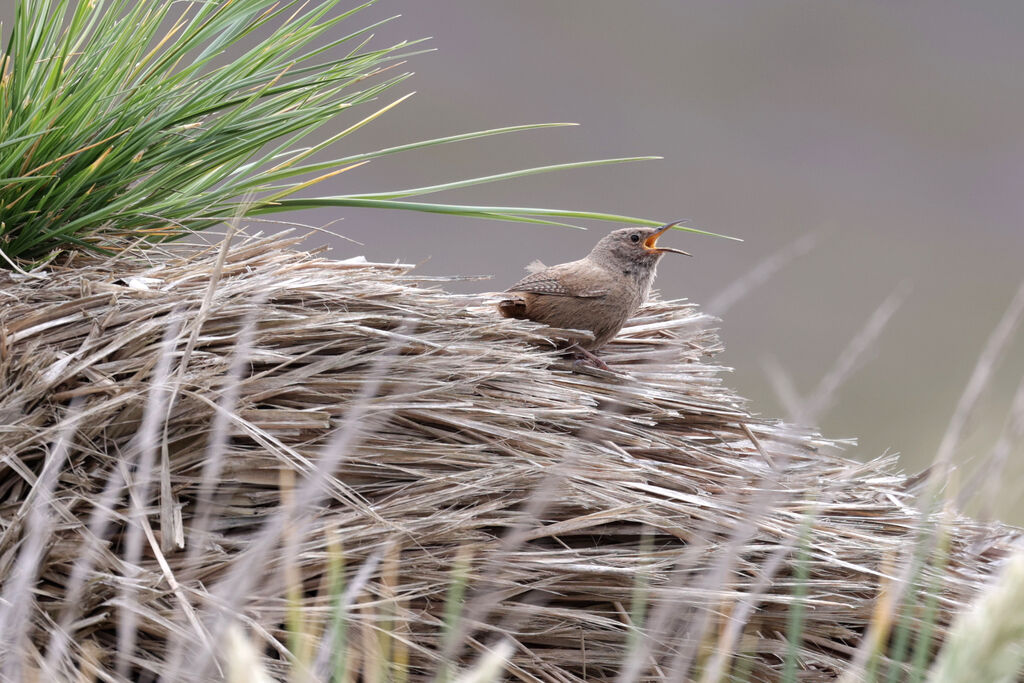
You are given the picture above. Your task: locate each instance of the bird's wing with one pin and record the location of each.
(579, 278)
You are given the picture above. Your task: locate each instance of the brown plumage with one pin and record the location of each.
(598, 292)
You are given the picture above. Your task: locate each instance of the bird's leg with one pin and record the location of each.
(582, 354)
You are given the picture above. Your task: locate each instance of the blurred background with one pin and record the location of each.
(891, 133)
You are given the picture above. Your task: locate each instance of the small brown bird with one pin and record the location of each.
(597, 293)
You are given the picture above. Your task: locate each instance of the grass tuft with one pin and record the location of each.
(387, 480)
(128, 120)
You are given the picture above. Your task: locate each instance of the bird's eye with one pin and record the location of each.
(634, 237)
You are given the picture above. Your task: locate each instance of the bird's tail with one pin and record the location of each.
(512, 308)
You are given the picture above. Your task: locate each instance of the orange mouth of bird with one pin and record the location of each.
(651, 243)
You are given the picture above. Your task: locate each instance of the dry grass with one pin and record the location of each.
(240, 424)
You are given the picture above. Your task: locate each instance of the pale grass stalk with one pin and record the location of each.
(183, 602)
(234, 589)
(220, 434)
(925, 636)
(850, 360)
(373, 658)
(796, 616)
(395, 625)
(784, 387)
(144, 451)
(299, 638)
(242, 660)
(987, 484)
(636, 618)
(196, 322)
(17, 596)
(990, 357)
(98, 527)
(484, 599)
(680, 668)
(761, 273)
(334, 635)
(636, 633)
(666, 615)
(897, 579)
(351, 594)
(490, 666)
(725, 649)
(19, 270)
(768, 494)
(167, 516)
(808, 410)
(985, 643)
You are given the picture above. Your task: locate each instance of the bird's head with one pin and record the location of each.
(635, 245)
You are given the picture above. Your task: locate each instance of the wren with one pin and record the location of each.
(598, 293)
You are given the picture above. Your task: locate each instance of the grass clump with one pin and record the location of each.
(143, 120)
(412, 497)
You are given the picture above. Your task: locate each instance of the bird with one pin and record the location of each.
(598, 293)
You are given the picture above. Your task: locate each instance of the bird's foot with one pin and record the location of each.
(585, 357)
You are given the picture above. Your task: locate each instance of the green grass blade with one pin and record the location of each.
(496, 212)
(795, 620)
(419, 191)
(924, 639)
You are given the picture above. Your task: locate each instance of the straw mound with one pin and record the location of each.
(456, 434)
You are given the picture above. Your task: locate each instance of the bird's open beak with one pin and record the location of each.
(651, 242)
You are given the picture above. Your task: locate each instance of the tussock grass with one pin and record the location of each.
(149, 120)
(359, 473)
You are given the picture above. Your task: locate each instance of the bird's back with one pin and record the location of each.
(581, 295)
